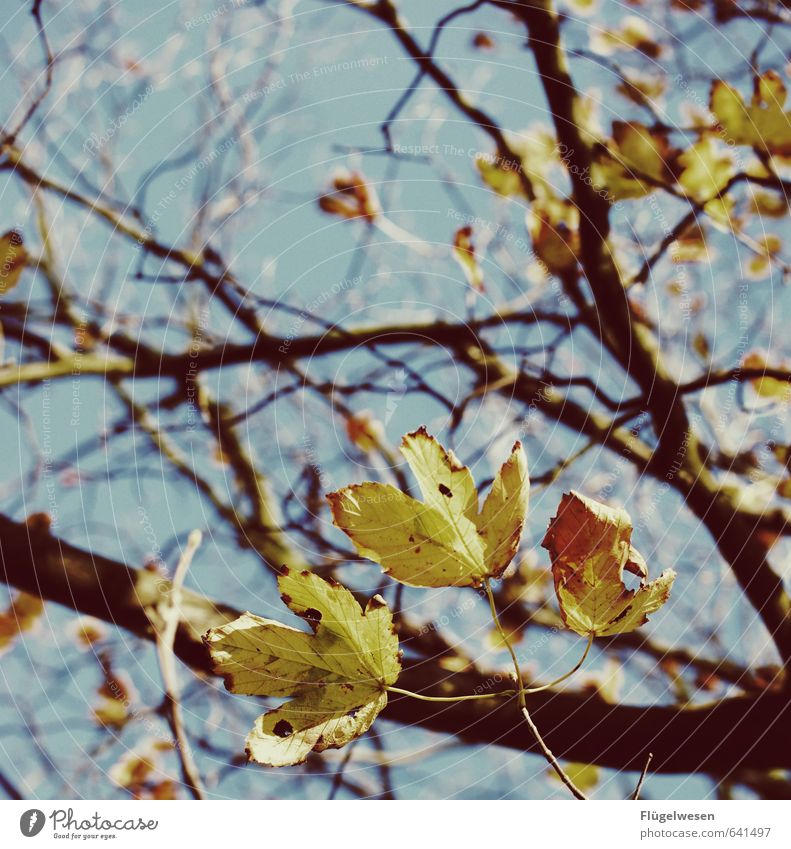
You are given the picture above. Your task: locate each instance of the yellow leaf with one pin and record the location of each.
(763, 124)
(537, 151)
(115, 698)
(645, 151)
(499, 175)
(768, 204)
(636, 160)
(443, 540)
(691, 246)
(494, 638)
(706, 171)
(633, 34)
(139, 772)
(642, 89)
(21, 615)
(13, 257)
(111, 713)
(766, 387)
(589, 545)
(464, 254)
(337, 676)
(553, 226)
(606, 683)
(585, 776)
(584, 7)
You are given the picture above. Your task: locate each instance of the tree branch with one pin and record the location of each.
(736, 733)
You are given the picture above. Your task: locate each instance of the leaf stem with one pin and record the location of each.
(450, 698)
(506, 642)
(545, 750)
(562, 678)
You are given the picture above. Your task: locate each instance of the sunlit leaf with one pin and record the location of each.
(642, 89)
(336, 676)
(590, 547)
(766, 387)
(443, 540)
(633, 34)
(637, 160)
(553, 225)
(763, 123)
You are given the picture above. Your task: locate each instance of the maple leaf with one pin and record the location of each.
(443, 540)
(337, 675)
(590, 546)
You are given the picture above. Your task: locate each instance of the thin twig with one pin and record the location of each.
(551, 759)
(636, 794)
(545, 750)
(169, 611)
(49, 60)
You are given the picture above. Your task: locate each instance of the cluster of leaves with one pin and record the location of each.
(636, 160)
(337, 675)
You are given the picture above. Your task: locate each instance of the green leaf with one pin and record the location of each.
(337, 675)
(590, 546)
(443, 540)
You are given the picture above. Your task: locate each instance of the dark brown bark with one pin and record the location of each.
(743, 732)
